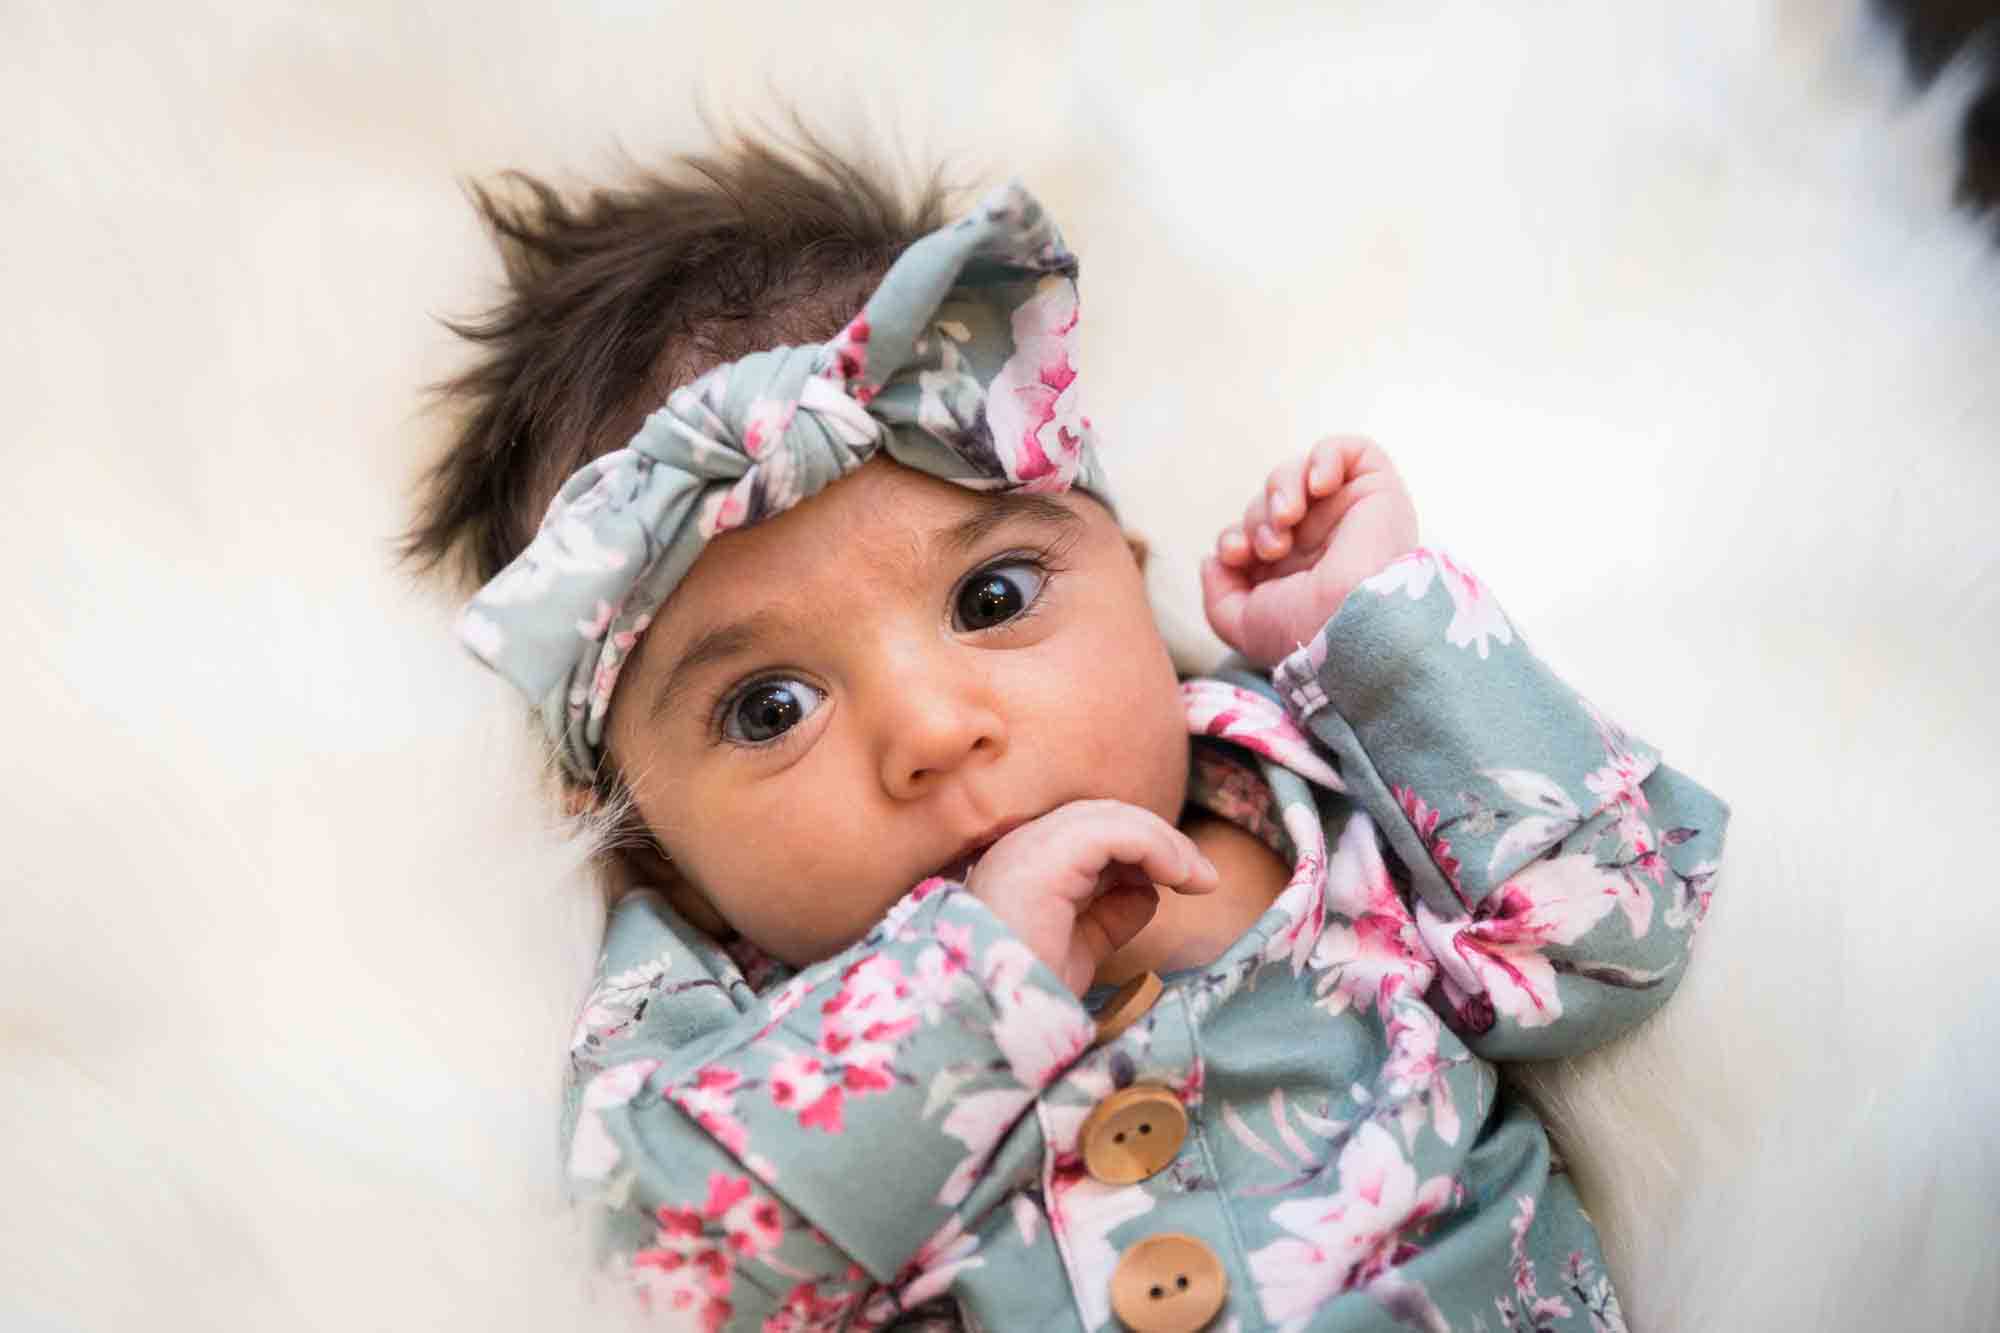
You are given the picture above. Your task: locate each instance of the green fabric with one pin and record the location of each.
(1484, 868)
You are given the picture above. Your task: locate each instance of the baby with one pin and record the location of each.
(980, 965)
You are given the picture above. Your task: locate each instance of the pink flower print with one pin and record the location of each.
(787, 999)
(1618, 782)
(1617, 741)
(1491, 961)
(1639, 843)
(1531, 1310)
(842, 415)
(862, 1026)
(1082, 1215)
(1352, 1239)
(592, 1153)
(850, 355)
(826, 1112)
(806, 1311)
(1235, 791)
(1424, 819)
(725, 509)
(1691, 897)
(1417, 1073)
(979, 1121)
(937, 1263)
(954, 948)
(669, 1279)
(940, 966)
(1031, 405)
(711, 1102)
(616, 1002)
(1476, 616)
(751, 1223)
(1249, 719)
(1371, 952)
(1304, 893)
(593, 628)
(1040, 1033)
(610, 661)
(1189, 1087)
(690, 1267)
(875, 1008)
(797, 1082)
(765, 423)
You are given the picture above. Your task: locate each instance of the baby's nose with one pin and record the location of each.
(932, 733)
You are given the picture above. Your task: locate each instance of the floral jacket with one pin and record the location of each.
(1485, 868)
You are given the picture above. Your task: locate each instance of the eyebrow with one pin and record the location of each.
(739, 636)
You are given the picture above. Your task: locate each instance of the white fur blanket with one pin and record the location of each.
(1659, 302)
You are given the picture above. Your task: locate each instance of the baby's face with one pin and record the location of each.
(836, 702)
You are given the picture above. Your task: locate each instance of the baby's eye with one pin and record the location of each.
(997, 593)
(768, 709)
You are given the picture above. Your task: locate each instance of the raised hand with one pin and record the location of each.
(1321, 524)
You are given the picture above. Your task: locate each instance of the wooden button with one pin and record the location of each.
(1132, 1134)
(1170, 1283)
(1127, 1005)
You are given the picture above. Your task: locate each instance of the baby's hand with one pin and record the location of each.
(1321, 525)
(1078, 883)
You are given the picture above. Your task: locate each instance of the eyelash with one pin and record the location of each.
(1047, 561)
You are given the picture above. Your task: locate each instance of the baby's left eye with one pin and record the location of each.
(997, 594)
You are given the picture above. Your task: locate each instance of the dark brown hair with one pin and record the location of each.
(615, 297)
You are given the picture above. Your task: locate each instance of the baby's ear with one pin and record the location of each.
(1137, 545)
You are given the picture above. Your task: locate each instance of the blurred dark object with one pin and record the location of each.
(1933, 32)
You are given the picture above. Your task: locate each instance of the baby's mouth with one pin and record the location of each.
(959, 868)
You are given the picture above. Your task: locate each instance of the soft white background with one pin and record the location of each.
(1659, 302)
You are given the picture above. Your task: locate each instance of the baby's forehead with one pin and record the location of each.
(872, 538)
(857, 543)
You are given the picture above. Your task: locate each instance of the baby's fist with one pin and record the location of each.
(1320, 526)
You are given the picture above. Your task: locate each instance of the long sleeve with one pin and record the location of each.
(1559, 870)
(812, 1152)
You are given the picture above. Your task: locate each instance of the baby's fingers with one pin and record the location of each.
(1327, 463)
(1285, 497)
(1232, 547)
(1255, 531)
(1224, 592)
(1107, 832)
(1114, 918)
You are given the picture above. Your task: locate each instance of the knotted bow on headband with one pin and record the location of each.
(959, 366)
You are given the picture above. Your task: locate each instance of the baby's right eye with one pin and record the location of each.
(769, 709)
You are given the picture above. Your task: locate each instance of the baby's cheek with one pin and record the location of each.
(1135, 736)
(797, 906)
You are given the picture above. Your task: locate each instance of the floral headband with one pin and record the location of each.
(960, 365)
